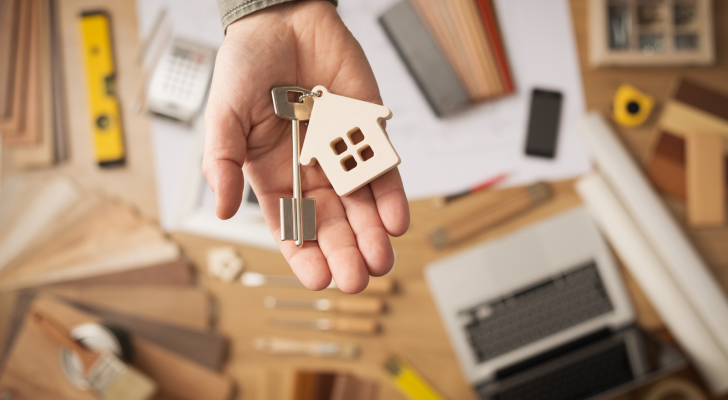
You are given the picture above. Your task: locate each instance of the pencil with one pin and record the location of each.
(443, 201)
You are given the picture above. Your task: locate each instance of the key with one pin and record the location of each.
(298, 215)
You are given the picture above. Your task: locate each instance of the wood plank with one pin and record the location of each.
(182, 306)
(205, 347)
(705, 179)
(14, 118)
(177, 377)
(38, 142)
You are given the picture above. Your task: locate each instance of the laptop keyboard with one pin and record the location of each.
(500, 326)
(576, 381)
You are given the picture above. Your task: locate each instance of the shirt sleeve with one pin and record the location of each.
(232, 10)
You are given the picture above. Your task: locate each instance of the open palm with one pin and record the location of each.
(304, 44)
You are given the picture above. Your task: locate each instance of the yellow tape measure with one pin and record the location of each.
(100, 74)
(409, 381)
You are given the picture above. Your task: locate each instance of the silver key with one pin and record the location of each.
(298, 215)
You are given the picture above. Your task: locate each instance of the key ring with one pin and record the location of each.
(309, 94)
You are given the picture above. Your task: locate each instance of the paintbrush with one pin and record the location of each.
(108, 377)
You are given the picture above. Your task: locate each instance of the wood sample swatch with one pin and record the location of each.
(9, 18)
(13, 118)
(111, 239)
(706, 99)
(205, 347)
(171, 273)
(36, 143)
(666, 164)
(695, 108)
(24, 127)
(37, 211)
(706, 199)
(181, 306)
(177, 377)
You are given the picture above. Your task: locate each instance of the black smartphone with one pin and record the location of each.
(543, 123)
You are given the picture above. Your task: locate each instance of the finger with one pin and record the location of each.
(338, 243)
(224, 154)
(391, 202)
(371, 237)
(226, 180)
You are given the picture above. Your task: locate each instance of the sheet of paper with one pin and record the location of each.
(438, 155)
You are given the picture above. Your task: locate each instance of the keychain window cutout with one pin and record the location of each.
(339, 146)
(365, 153)
(348, 163)
(356, 136)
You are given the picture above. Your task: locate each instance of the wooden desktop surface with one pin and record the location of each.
(411, 326)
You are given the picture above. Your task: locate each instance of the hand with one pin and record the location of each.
(304, 44)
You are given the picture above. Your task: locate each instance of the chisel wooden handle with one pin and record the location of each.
(359, 305)
(484, 218)
(366, 326)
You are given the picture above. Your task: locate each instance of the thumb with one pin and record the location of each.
(224, 155)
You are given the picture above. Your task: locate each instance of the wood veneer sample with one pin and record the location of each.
(172, 273)
(701, 97)
(705, 179)
(176, 305)
(36, 142)
(205, 347)
(33, 352)
(695, 108)
(666, 165)
(13, 118)
(9, 18)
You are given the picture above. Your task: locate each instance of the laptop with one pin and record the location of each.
(542, 313)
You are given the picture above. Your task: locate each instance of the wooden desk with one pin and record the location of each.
(411, 326)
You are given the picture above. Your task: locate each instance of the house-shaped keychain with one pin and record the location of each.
(346, 137)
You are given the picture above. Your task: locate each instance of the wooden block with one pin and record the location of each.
(13, 120)
(695, 108)
(180, 306)
(38, 130)
(172, 273)
(346, 137)
(128, 242)
(9, 18)
(205, 347)
(681, 119)
(27, 129)
(666, 165)
(705, 180)
(703, 98)
(21, 231)
(32, 370)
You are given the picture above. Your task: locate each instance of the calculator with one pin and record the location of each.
(180, 80)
